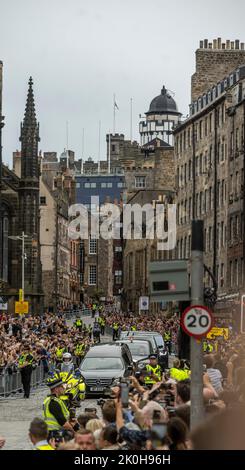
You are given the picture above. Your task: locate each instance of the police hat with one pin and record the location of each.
(153, 356)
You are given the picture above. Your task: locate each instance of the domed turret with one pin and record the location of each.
(163, 103)
(163, 114)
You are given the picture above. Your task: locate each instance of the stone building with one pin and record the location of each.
(59, 254)
(209, 155)
(149, 179)
(20, 204)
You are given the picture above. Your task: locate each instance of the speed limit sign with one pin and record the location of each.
(197, 321)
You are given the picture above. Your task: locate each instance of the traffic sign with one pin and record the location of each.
(197, 321)
(144, 303)
(215, 331)
(21, 307)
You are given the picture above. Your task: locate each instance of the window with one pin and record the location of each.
(118, 277)
(200, 130)
(222, 234)
(113, 147)
(231, 229)
(92, 245)
(236, 272)
(120, 185)
(108, 185)
(231, 273)
(92, 275)
(222, 275)
(118, 249)
(237, 139)
(190, 170)
(43, 200)
(210, 122)
(140, 181)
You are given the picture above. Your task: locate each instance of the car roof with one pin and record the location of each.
(138, 333)
(137, 340)
(105, 350)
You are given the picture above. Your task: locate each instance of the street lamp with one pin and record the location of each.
(23, 256)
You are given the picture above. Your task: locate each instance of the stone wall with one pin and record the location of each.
(213, 62)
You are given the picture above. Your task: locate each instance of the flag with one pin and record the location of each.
(115, 105)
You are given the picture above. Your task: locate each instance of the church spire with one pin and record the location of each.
(29, 137)
(30, 113)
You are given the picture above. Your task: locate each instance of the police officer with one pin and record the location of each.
(96, 332)
(55, 413)
(67, 364)
(167, 339)
(102, 325)
(115, 328)
(60, 350)
(25, 364)
(79, 352)
(153, 371)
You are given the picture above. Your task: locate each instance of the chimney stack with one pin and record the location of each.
(219, 43)
(242, 46)
(228, 44)
(205, 43)
(201, 44)
(237, 44)
(232, 44)
(215, 43)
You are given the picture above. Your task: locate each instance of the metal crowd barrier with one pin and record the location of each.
(11, 385)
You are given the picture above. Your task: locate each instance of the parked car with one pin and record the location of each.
(104, 363)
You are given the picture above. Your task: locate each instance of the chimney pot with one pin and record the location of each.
(205, 43)
(232, 44)
(201, 45)
(223, 45)
(242, 46)
(219, 43)
(210, 45)
(237, 44)
(228, 44)
(215, 43)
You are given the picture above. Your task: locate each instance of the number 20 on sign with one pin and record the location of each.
(197, 321)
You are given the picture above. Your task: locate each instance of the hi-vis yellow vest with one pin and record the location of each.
(50, 419)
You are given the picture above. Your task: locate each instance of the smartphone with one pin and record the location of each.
(156, 415)
(159, 430)
(124, 395)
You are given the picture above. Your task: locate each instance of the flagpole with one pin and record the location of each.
(67, 144)
(99, 149)
(131, 119)
(83, 144)
(109, 153)
(114, 114)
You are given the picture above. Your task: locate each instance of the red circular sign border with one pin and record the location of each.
(184, 314)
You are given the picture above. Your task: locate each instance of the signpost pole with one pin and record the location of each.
(197, 406)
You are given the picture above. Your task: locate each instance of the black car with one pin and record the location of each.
(157, 342)
(104, 363)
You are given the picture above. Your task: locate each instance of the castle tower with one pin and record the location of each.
(29, 202)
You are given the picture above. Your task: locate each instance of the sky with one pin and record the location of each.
(81, 52)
